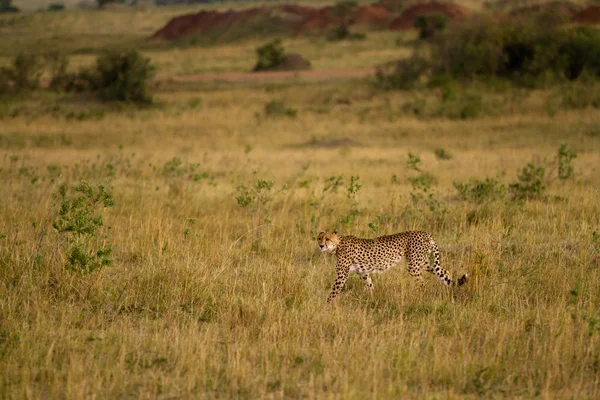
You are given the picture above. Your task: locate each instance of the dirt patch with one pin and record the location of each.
(292, 62)
(590, 15)
(273, 76)
(371, 15)
(333, 143)
(407, 19)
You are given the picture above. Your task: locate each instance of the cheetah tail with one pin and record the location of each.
(462, 280)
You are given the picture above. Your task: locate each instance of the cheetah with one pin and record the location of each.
(365, 256)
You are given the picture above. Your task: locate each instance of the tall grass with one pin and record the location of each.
(208, 299)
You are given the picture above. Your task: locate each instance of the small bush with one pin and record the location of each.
(79, 221)
(430, 25)
(442, 154)
(23, 74)
(58, 63)
(477, 191)
(7, 7)
(121, 76)
(530, 184)
(403, 74)
(56, 7)
(269, 56)
(342, 32)
(563, 159)
(277, 108)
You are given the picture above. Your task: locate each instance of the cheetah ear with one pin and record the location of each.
(335, 232)
(322, 232)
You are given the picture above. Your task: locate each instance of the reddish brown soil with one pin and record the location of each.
(294, 17)
(320, 19)
(590, 15)
(371, 15)
(407, 19)
(208, 21)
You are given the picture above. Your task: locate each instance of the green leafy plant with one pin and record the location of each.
(421, 192)
(403, 74)
(353, 187)
(23, 74)
(563, 159)
(478, 191)
(256, 195)
(530, 184)
(269, 56)
(442, 154)
(56, 7)
(121, 76)
(350, 218)
(79, 221)
(277, 108)
(333, 183)
(429, 25)
(413, 162)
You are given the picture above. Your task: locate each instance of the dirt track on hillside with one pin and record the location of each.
(258, 77)
(273, 76)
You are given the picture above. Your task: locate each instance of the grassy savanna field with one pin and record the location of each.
(206, 298)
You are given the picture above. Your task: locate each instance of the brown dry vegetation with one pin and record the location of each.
(209, 299)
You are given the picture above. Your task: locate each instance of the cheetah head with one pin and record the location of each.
(328, 241)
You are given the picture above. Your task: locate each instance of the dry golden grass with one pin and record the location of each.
(236, 307)
(208, 299)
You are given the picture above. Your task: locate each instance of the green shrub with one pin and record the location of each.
(530, 184)
(477, 191)
(581, 51)
(563, 160)
(78, 222)
(269, 56)
(7, 7)
(403, 74)
(442, 154)
(56, 7)
(121, 76)
(277, 108)
(58, 63)
(23, 74)
(342, 32)
(524, 52)
(431, 24)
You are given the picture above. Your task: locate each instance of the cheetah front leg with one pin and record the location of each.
(342, 269)
(415, 265)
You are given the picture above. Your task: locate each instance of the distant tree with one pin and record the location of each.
(343, 10)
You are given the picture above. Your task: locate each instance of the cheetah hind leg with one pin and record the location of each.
(444, 276)
(368, 283)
